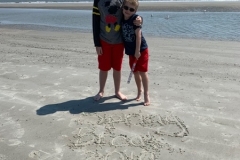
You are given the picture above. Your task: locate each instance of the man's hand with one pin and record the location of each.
(99, 50)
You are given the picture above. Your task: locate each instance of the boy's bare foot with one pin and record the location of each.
(138, 98)
(146, 100)
(98, 96)
(121, 96)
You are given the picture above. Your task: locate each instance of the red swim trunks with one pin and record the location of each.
(112, 56)
(142, 62)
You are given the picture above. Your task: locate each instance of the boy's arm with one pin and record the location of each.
(96, 24)
(138, 21)
(138, 42)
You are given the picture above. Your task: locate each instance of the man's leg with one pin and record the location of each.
(102, 81)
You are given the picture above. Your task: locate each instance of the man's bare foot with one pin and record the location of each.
(146, 100)
(121, 96)
(138, 98)
(98, 96)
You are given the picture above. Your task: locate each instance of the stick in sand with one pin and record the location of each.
(131, 72)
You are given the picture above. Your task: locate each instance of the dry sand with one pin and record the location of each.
(233, 6)
(47, 80)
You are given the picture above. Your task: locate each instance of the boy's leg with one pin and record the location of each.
(138, 81)
(142, 67)
(117, 58)
(137, 76)
(144, 76)
(117, 81)
(104, 65)
(102, 81)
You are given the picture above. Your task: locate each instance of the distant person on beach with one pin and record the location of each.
(136, 47)
(106, 23)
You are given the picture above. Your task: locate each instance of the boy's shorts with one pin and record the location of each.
(112, 56)
(142, 62)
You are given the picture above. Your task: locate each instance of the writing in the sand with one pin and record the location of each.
(127, 136)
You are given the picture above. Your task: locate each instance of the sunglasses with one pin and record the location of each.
(128, 8)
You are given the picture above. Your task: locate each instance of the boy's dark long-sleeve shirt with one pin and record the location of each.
(106, 21)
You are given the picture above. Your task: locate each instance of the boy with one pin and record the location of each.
(136, 47)
(106, 23)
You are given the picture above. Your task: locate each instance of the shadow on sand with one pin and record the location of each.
(85, 105)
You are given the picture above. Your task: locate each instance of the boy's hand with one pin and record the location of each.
(138, 21)
(137, 55)
(99, 50)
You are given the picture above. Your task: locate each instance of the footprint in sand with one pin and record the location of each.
(35, 154)
(227, 135)
(24, 76)
(7, 72)
(6, 87)
(40, 154)
(14, 142)
(3, 157)
(11, 130)
(57, 84)
(57, 71)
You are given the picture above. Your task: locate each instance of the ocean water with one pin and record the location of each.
(47, 1)
(197, 25)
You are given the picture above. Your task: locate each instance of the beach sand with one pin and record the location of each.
(47, 111)
(232, 6)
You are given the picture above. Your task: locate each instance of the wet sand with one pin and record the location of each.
(47, 111)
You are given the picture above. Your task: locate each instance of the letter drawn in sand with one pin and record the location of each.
(134, 136)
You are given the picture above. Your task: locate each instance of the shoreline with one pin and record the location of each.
(26, 27)
(233, 6)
